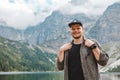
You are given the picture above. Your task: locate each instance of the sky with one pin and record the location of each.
(23, 13)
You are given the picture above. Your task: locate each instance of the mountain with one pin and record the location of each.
(29, 49)
(10, 33)
(17, 56)
(51, 33)
(106, 28)
(54, 32)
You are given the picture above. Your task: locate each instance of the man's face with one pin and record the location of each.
(76, 31)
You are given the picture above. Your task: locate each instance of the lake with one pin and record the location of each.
(47, 76)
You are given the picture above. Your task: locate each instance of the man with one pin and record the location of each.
(80, 58)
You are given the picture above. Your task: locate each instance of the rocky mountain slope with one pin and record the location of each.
(107, 28)
(16, 56)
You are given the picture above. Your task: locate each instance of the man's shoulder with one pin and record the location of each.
(96, 42)
(66, 46)
(92, 39)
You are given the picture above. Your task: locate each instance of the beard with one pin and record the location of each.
(77, 37)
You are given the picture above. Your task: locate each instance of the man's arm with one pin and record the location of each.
(100, 55)
(60, 59)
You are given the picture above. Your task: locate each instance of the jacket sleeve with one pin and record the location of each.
(60, 65)
(103, 59)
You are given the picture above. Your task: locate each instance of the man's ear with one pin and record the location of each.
(83, 29)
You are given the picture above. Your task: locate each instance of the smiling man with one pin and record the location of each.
(80, 58)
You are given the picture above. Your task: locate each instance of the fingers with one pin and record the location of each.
(88, 42)
(66, 46)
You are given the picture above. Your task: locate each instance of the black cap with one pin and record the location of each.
(75, 21)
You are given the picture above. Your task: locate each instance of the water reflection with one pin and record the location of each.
(33, 76)
(49, 76)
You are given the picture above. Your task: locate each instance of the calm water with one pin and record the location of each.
(48, 76)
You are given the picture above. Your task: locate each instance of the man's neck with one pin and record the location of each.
(78, 41)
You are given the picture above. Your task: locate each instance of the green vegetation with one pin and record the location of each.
(16, 56)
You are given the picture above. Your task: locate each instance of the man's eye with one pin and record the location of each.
(73, 29)
(79, 28)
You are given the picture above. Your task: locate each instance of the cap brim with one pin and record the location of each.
(73, 23)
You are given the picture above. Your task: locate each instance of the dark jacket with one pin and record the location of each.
(88, 62)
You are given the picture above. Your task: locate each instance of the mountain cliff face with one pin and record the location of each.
(10, 33)
(107, 28)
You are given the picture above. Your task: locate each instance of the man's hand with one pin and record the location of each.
(88, 42)
(96, 51)
(62, 49)
(66, 47)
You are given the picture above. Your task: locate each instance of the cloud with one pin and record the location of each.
(89, 7)
(23, 13)
(78, 2)
(15, 14)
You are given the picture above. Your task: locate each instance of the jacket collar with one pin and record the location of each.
(84, 38)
